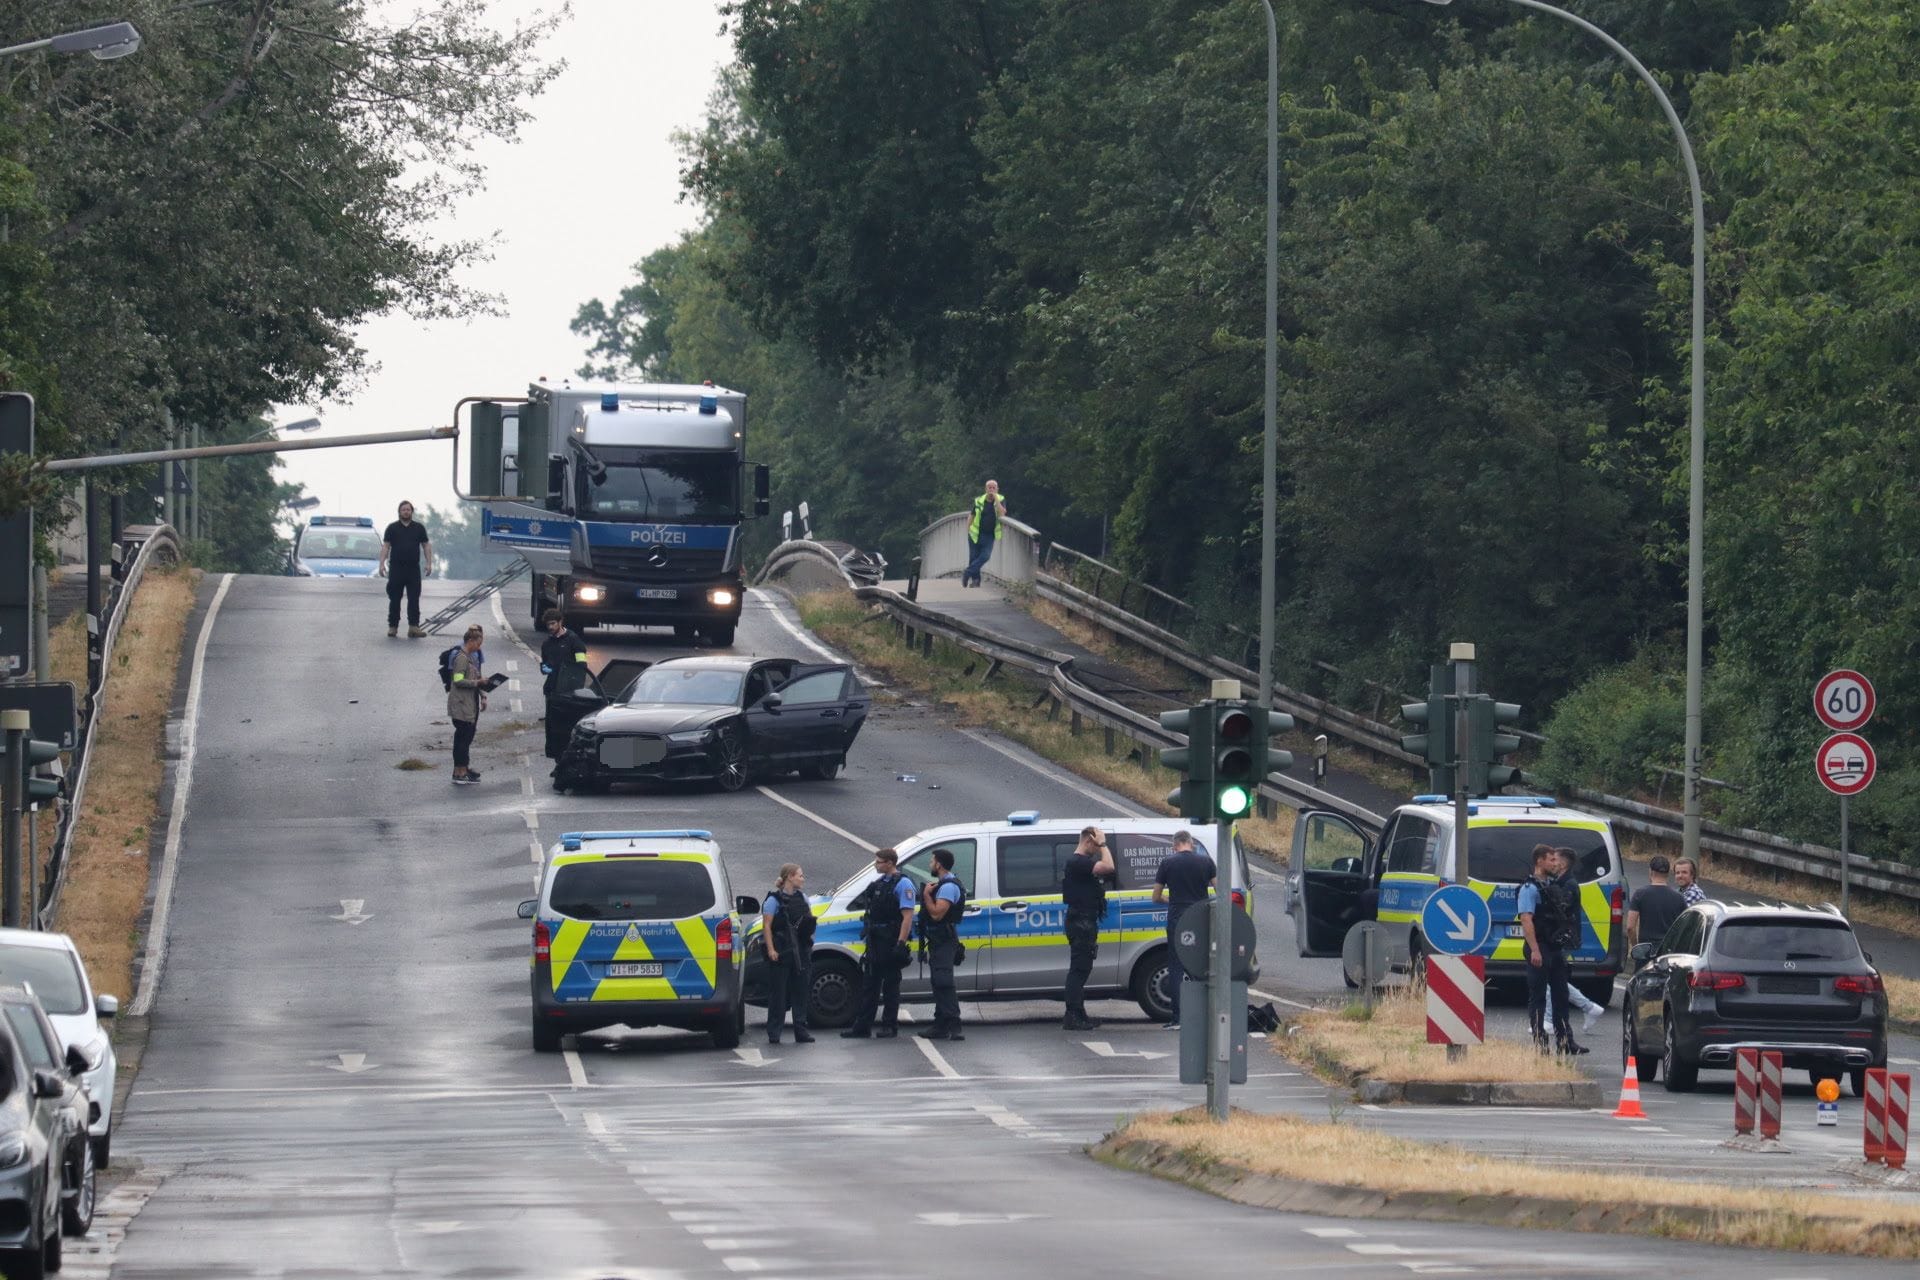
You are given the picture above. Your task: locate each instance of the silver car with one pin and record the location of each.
(51, 965)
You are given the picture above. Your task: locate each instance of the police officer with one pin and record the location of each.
(1185, 877)
(943, 903)
(563, 660)
(787, 936)
(1548, 906)
(888, 928)
(1086, 902)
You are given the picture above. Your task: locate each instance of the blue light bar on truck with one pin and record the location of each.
(609, 401)
(1023, 817)
(709, 405)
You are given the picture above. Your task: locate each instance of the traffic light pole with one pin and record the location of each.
(1220, 976)
(16, 725)
(1460, 658)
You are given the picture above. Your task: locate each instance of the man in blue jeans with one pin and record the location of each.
(989, 509)
(1185, 877)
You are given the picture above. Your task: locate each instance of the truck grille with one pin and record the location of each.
(659, 564)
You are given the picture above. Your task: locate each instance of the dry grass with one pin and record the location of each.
(107, 869)
(951, 678)
(1392, 1045)
(1351, 1156)
(412, 764)
(1903, 998)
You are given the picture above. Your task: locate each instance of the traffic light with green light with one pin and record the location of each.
(1485, 744)
(1434, 741)
(1235, 781)
(1193, 798)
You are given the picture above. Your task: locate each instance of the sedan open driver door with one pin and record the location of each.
(1329, 887)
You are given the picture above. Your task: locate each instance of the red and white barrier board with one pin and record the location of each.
(1456, 999)
(1756, 1092)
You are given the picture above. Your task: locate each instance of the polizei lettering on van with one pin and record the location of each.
(658, 535)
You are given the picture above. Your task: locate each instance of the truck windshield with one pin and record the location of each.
(687, 486)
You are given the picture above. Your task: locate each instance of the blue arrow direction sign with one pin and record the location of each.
(1456, 920)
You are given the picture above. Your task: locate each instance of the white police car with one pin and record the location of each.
(335, 547)
(1014, 928)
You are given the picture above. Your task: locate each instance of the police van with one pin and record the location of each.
(1340, 875)
(335, 547)
(636, 928)
(1014, 928)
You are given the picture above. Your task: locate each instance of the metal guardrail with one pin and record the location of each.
(158, 544)
(921, 626)
(1739, 843)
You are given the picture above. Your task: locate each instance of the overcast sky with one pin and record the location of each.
(591, 187)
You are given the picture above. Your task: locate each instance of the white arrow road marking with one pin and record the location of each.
(1106, 1050)
(750, 1057)
(1463, 930)
(352, 1064)
(350, 912)
(974, 1219)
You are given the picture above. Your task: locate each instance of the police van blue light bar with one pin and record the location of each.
(351, 522)
(1430, 799)
(709, 405)
(609, 401)
(572, 840)
(1544, 802)
(1023, 817)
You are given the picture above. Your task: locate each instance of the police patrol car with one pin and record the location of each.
(1341, 875)
(636, 928)
(335, 547)
(1014, 928)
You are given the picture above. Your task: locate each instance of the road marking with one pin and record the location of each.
(744, 1264)
(1060, 776)
(352, 1064)
(526, 783)
(779, 616)
(1905, 1062)
(533, 846)
(1268, 995)
(1334, 1233)
(750, 1057)
(813, 817)
(934, 1056)
(350, 912)
(720, 1245)
(975, 1219)
(596, 1124)
(1106, 1050)
(576, 1072)
(156, 956)
(1002, 1117)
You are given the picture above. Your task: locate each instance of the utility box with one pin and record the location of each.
(1196, 1032)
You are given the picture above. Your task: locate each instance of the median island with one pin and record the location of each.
(1347, 1170)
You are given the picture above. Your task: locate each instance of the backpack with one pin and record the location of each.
(1557, 923)
(445, 665)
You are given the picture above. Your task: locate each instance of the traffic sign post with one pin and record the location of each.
(1846, 765)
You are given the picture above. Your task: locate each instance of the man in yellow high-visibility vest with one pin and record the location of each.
(989, 509)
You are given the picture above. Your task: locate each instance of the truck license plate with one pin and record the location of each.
(643, 969)
(657, 593)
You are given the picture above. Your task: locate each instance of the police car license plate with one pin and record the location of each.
(657, 593)
(628, 752)
(1516, 931)
(642, 969)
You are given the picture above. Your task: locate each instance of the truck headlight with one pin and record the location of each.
(587, 594)
(720, 596)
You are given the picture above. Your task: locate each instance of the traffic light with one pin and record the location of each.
(1235, 782)
(1486, 744)
(1193, 798)
(1434, 742)
(40, 787)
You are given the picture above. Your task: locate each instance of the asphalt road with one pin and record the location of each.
(339, 1083)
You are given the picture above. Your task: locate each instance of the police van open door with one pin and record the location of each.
(1329, 880)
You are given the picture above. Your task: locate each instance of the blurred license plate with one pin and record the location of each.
(628, 753)
(1516, 931)
(642, 969)
(657, 593)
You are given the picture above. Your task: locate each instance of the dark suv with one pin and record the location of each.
(1730, 976)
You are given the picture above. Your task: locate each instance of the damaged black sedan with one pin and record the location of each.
(719, 719)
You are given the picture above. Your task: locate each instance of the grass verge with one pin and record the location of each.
(951, 678)
(107, 868)
(1350, 1156)
(1346, 1046)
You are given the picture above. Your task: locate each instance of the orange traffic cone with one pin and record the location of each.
(1629, 1108)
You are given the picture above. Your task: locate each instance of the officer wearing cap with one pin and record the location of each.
(886, 932)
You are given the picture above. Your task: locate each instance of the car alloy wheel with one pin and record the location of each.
(730, 760)
(76, 1213)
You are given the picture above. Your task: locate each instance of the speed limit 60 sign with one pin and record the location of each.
(1846, 764)
(1843, 700)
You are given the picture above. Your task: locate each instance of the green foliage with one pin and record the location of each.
(1616, 728)
(457, 542)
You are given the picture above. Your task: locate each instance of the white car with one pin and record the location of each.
(50, 963)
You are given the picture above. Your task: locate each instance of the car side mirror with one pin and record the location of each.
(1346, 866)
(771, 702)
(747, 906)
(106, 1006)
(77, 1060)
(1867, 956)
(1643, 952)
(527, 908)
(47, 1085)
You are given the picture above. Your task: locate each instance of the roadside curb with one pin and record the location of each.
(1540, 1213)
(1584, 1095)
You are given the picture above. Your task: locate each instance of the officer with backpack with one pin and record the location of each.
(787, 936)
(466, 699)
(887, 932)
(1549, 909)
(943, 903)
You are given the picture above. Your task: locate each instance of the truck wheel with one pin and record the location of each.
(685, 635)
(720, 637)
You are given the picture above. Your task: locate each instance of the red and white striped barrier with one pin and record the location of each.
(1899, 1096)
(1756, 1092)
(1874, 1128)
(1456, 999)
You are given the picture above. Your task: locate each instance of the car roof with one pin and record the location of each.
(715, 663)
(1763, 910)
(1058, 826)
(1440, 809)
(35, 938)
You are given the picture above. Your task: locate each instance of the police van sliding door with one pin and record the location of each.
(1026, 915)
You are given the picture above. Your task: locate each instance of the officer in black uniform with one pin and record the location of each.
(563, 660)
(787, 937)
(943, 903)
(887, 932)
(1082, 886)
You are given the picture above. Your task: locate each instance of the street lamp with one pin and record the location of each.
(1697, 426)
(301, 504)
(115, 40)
(305, 424)
(1268, 550)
